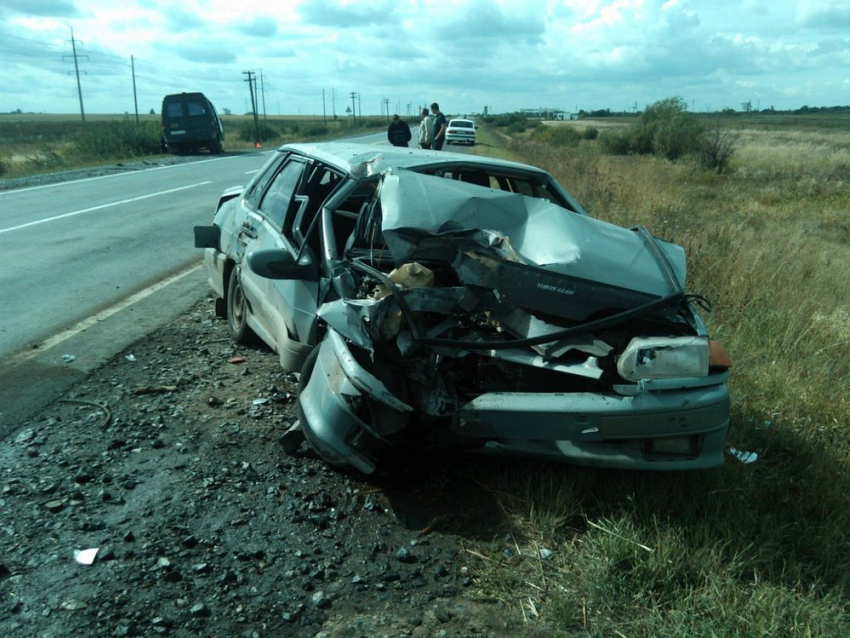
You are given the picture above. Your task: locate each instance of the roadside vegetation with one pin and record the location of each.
(33, 144)
(749, 549)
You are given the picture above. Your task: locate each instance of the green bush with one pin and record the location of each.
(4, 166)
(262, 133)
(675, 132)
(507, 120)
(117, 139)
(633, 140)
(557, 135)
(666, 128)
(590, 133)
(516, 127)
(616, 142)
(717, 147)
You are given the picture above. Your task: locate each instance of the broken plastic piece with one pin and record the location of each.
(85, 556)
(744, 457)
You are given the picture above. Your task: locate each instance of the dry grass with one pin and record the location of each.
(747, 550)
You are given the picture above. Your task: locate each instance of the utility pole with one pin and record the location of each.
(324, 110)
(135, 99)
(250, 81)
(333, 102)
(77, 71)
(387, 107)
(263, 91)
(354, 107)
(359, 107)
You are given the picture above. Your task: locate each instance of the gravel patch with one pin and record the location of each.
(168, 462)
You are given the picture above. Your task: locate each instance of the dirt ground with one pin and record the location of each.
(168, 461)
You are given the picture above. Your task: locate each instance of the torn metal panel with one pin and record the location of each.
(361, 378)
(417, 207)
(350, 317)
(525, 325)
(588, 368)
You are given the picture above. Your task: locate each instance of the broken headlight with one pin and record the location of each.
(664, 358)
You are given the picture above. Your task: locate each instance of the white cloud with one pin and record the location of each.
(463, 53)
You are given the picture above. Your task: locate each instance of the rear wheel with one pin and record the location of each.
(237, 310)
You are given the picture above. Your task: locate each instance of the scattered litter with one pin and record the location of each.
(236, 360)
(130, 357)
(85, 556)
(68, 358)
(744, 457)
(260, 401)
(546, 554)
(107, 415)
(154, 389)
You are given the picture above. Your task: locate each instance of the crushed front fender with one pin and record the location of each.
(332, 403)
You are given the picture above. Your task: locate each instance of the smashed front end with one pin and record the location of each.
(462, 316)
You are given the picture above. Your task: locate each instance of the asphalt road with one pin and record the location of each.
(91, 266)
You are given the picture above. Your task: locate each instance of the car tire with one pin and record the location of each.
(216, 147)
(237, 310)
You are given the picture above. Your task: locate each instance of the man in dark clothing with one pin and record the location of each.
(439, 136)
(398, 133)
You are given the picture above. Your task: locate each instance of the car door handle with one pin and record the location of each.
(248, 231)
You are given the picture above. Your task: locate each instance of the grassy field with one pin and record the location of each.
(36, 143)
(760, 549)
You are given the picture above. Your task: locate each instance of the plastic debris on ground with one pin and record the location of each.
(743, 456)
(85, 556)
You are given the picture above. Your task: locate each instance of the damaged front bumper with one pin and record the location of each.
(331, 404)
(663, 426)
(671, 429)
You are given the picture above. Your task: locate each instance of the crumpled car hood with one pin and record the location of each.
(513, 255)
(423, 212)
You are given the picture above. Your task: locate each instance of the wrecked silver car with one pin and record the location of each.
(435, 299)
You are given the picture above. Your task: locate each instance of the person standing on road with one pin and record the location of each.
(439, 128)
(398, 132)
(426, 129)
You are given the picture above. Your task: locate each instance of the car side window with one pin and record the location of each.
(278, 196)
(320, 185)
(252, 196)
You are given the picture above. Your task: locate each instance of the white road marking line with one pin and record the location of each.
(85, 324)
(125, 174)
(94, 208)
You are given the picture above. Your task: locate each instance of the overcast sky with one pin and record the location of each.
(465, 54)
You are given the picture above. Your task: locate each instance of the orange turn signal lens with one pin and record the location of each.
(717, 355)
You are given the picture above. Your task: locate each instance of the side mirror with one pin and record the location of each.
(277, 263)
